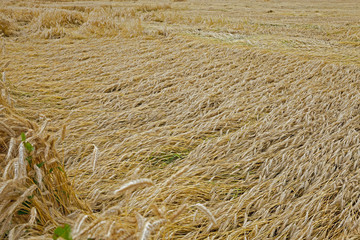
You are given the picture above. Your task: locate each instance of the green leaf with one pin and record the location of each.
(28, 146)
(40, 164)
(60, 169)
(23, 137)
(63, 232)
(23, 212)
(26, 204)
(36, 182)
(51, 170)
(29, 159)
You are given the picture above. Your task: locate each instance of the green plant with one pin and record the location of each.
(63, 232)
(29, 148)
(166, 158)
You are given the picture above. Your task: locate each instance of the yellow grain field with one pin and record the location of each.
(180, 119)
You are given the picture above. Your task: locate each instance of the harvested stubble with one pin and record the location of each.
(269, 142)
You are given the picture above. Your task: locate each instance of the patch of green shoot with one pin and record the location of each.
(166, 158)
(63, 232)
(29, 148)
(29, 160)
(40, 164)
(25, 210)
(22, 212)
(237, 192)
(23, 137)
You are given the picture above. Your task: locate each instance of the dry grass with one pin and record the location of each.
(7, 27)
(149, 122)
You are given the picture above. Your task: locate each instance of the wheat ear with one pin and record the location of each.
(134, 184)
(207, 212)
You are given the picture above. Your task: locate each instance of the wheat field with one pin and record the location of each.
(180, 119)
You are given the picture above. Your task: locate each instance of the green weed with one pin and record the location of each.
(164, 159)
(29, 148)
(63, 232)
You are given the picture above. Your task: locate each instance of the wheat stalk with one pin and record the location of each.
(207, 212)
(134, 184)
(146, 232)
